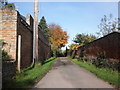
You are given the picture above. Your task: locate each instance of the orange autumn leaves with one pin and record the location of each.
(75, 47)
(58, 37)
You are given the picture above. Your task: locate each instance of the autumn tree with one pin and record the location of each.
(72, 49)
(82, 39)
(73, 46)
(108, 24)
(58, 37)
(44, 27)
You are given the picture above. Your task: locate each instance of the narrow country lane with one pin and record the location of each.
(65, 74)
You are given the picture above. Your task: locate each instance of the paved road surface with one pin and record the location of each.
(65, 74)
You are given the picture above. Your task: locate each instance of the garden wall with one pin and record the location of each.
(25, 29)
(110, 44)
(44, 50)
(13, 24)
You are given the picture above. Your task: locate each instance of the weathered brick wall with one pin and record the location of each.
(109, 44)
(8, 32)
(13, 24)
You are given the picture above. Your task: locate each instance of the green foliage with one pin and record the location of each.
(101, 60)
(4, 55)
(10, 6)
(44, 27)
(82, 39)
(82, 56)
(7, 6)
(69, 52)
(104, 73)
(58, 53)
(29, 76)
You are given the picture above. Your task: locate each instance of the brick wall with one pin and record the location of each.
(8, 32)
(13, 24)
(109, 44)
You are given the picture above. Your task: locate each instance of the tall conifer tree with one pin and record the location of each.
(44, 27)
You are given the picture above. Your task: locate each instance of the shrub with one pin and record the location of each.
(82, 56)
(101, 60)
(5, 56)
(112, 64)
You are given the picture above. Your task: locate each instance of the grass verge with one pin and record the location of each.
(112, 77)
(29, 76)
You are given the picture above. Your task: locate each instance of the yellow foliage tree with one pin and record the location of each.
(74, 46)
(58, 37)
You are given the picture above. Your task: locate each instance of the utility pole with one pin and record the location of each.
(35, 33)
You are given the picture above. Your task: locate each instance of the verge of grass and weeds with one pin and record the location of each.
(112, 77)
(29, 76)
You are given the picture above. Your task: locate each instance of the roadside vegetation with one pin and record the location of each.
(106, 74)
(29, 76)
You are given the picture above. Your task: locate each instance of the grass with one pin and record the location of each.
(112, 77)
(29, 76)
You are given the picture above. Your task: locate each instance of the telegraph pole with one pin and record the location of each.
(35, 33)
